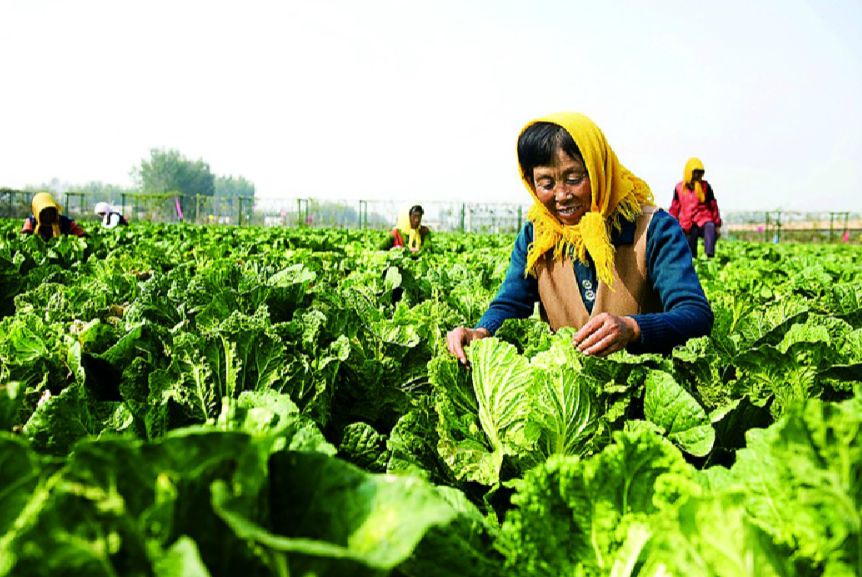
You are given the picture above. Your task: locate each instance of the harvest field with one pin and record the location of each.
(188, 401)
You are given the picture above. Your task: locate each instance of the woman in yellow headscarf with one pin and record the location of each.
(409, 232)
(47, 221)
(595, 252)
(696, 209)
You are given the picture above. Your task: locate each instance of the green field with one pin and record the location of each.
(179, 400)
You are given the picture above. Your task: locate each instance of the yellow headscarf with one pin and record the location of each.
(690, 166)
(40, 202)
(410, 234)
(617, 194)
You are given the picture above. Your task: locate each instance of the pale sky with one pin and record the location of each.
(385, 100)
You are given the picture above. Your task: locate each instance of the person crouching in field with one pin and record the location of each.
(110, 217)
(47, 221)
(595, 253)
(409, 232)
(696, 209)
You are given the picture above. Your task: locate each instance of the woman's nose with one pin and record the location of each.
(562, 192)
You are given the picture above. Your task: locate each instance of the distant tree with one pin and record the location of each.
(97, 188)
(228, 189)
(231, 186)
(168, 171)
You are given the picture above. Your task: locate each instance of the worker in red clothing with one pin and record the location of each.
(47, 221)
(409, 232)
(696, 209)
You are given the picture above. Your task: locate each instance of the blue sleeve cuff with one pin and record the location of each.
(687, 312)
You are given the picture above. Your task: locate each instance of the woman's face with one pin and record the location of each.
(48, 215)
(415, 219)
(564, 188)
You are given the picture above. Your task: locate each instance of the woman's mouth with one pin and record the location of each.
(568, 210)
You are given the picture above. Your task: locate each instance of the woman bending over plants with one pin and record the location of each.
(409, 232)
(47, 221)
(596, 253)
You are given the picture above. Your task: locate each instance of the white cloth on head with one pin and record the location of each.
(111, 220)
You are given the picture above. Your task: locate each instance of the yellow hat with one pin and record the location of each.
(616, 194)
(40, 202)
(690, 166)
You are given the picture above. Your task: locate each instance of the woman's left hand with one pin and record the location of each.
(606, 334)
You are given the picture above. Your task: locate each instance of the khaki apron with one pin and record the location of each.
(562, 305)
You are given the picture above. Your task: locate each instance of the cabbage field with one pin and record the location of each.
(190, 401)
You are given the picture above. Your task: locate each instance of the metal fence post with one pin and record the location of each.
(778, 225)
(463, 215)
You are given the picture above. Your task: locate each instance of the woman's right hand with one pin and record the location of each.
(458, 338)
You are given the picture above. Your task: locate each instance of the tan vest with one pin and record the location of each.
(562, 305)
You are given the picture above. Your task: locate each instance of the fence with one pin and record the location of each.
(163, 207)
(443, 216)
(768, 226)
(793, 226)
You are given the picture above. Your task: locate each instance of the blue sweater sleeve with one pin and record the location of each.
(687, 313)
(518, 294)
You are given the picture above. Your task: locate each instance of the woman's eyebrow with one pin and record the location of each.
(576, 170)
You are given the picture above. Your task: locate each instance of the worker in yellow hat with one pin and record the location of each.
(696, 209)
(596, 253)
(47, 221)
(409, 232)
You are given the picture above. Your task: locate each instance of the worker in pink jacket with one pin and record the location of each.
(696, 209)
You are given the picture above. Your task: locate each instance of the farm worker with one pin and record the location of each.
(409, 232)
(47, 220)
(595, 252)
(110, 217)
(696, 209)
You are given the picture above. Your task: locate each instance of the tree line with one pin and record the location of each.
(166, 171)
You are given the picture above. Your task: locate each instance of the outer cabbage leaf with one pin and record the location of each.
(769, 377)
(572, 515)
(63, 419)
(412, 444)
(365, 447)
(682, 419)
(501, 381)
(704, 538)
(699, 365)
(330, 518)
(802, 480)
(480, 424)
(182, 559)
(273, 414)
(116, 506)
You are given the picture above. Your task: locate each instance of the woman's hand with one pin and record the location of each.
(461, 336)
(606, 334)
